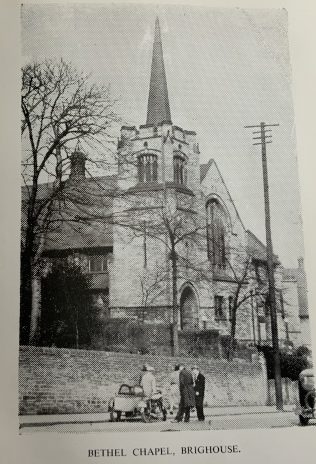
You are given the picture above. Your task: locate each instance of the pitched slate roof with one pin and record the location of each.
(204, 168)
(257, 249)
(82, 218)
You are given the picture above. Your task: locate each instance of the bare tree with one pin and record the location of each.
(243, 292)
(248, 286)
(152, 286)
(182, 234)
(174, 228)
(59, 109)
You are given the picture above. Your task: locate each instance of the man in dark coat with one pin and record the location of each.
(199, 387)
(187, 395)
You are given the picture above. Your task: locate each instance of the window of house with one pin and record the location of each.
(219, 307)
(147, 168)
(216, 234)
(179, 170)
(97, 263)
(261, 273)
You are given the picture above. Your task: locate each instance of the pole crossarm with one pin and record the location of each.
(260, 143)
(263, 137)
(265, 125)
(259, 132)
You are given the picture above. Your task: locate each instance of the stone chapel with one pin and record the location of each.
(165, 227)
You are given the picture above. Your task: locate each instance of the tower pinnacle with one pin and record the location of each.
(158, 109)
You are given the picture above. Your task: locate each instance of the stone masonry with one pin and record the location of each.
(61, 381)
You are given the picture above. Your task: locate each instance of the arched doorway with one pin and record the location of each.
(188, 309)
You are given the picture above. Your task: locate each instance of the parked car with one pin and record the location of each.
(132, 402)
(307, 393)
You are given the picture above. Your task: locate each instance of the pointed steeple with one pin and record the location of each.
(158, 109)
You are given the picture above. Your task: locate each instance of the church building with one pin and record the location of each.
(163, 233)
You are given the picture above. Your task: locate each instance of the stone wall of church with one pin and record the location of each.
(135, 271)
(63, 381)
(139, 269)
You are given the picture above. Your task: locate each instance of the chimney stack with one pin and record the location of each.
(301, 262)
(77, 165)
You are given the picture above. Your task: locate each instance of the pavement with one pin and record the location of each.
(216, 418)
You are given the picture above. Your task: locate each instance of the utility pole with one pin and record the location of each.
(265, 138)
(253, 318)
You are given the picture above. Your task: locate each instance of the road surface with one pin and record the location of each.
(217, 422)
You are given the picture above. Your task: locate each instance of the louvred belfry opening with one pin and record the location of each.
(158, 109)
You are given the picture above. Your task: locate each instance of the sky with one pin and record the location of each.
(226, 68)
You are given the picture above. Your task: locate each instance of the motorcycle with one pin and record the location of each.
(155, 408)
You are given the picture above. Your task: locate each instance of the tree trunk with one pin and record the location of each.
(77, 334)
(231, 347)
(175, 312)
(25, 297)
(35, 306)
(26, 272)
(30, 295)
(59, 168)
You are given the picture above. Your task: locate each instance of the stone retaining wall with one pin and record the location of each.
(57, 380)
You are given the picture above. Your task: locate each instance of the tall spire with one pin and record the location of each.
(158, 109)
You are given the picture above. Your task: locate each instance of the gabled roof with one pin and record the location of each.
(204, 168)
(82, 219)
(257, 249)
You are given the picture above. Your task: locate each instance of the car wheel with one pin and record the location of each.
(310, 399)
(303, 420)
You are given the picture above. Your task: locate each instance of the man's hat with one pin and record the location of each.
(195, 367)
(150, 368)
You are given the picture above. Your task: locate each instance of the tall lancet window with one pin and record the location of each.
(216, 233)
(179, 170)
(147, 168)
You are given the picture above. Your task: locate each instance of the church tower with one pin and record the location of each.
(158, 152)
(158, 169)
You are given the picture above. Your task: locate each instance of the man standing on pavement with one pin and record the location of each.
(187, 395)
(174, 388)
(199, 387)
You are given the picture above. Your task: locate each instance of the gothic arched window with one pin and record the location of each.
(147, 168)
(216, 233)
(179, 170)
